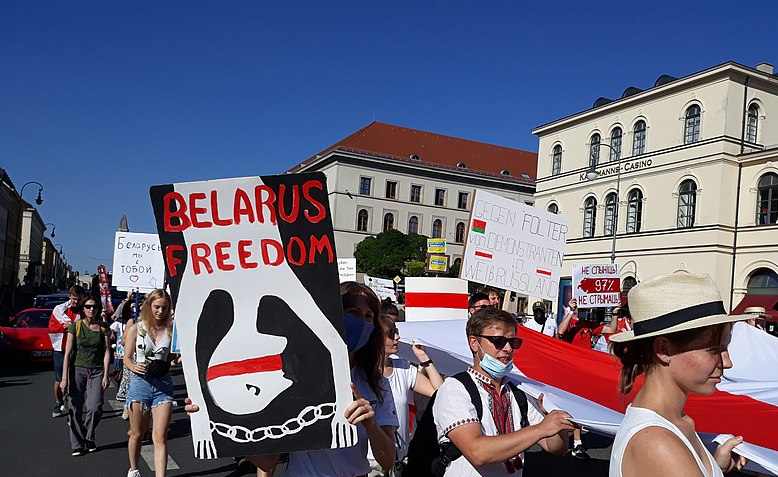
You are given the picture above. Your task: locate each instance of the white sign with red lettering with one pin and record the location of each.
(597, 286)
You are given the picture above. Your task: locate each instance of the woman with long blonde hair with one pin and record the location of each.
(150, 393)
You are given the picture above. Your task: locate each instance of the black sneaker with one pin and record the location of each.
(91, 447)
(78, 452)
(579, 452)
(58, 410)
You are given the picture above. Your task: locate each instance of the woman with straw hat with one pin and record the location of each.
(679, 342)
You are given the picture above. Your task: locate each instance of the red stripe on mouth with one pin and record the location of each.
(253, 365)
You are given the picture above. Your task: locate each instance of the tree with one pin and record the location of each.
(385, 254)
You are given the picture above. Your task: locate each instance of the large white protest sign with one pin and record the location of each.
(596, 286)
(383, 287)
(254, 281)
(137, 262)
(347, 269)
(515, 247)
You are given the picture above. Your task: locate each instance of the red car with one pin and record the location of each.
(27, 334)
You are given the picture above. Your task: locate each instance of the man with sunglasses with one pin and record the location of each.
(495, 444)
(478, 301)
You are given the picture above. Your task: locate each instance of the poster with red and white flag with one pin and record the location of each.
(585, 383)
(435, 299)
(596, 285)
(514, 246)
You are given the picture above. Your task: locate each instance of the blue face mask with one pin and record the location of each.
(496, 368)
(358, 332)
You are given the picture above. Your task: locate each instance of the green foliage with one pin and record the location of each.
(415, 268)
(386, 254)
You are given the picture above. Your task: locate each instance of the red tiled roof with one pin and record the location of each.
(400, 143)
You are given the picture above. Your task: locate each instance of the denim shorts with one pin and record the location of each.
(149, 392)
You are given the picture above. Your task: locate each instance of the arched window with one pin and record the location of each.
(556, 161)
(413, 225)
(362, 220)
(460, 233)
(590, 217)
(634, 211)
(437, 228)
(628, 283)
(594, 150)
(611, 213)
(553, 208)
(687, 203)
(388, 221)
(615, 154)
(763, 281)
(639, 138)
(753, 123)
(691, 127)
(767, 199)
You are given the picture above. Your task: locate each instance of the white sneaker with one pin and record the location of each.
(133, 473)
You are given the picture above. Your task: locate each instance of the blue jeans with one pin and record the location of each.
(149, 392)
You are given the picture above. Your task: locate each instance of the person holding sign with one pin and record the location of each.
(679, 342)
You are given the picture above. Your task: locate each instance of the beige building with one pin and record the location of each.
(31, 246)
(386, 176)
(695, 163)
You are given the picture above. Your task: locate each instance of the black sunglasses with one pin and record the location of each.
(500, 341)
(89, 307)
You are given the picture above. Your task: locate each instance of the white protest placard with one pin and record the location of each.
(513, 246)
(596, 285)
(347, 269)
(383, 287)
(137, 262)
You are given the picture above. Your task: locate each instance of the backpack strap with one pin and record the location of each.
(472, 391)
(521, 399)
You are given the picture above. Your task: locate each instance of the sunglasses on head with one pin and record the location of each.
(89, 307)
(500, 341)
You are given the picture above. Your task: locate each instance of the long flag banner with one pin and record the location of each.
(435, 299)
(585, 383)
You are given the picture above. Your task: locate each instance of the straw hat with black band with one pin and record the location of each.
(676, 302)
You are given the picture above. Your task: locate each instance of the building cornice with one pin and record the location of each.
(728, 69)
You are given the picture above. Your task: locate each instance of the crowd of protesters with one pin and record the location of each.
(478, 421)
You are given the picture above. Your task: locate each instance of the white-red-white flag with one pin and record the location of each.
(435, 299)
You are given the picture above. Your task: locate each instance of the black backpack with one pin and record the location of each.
(428, 458)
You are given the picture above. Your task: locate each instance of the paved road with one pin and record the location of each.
(34, 444)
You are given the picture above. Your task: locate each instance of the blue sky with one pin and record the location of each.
(101, 100)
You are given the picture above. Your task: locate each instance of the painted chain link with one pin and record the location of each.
(308, 416)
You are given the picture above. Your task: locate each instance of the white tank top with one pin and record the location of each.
(147, 349)
(637, 419)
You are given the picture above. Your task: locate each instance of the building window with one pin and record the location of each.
(413, 225)
(639, 138)
(763, 282)
(364, 185)
(437, 228)
(687, 203)
(691, 128)
(594, 151)
(615, 153)
(767, 199)
(462, 200)
(416, 193)
(590, 216)
(553, 208)
(753, 123)
(611, 213)
(388, 221)
(391, 189)
(440, 197)
(362, 220)
(556, 161)
(459, 237)
(634, 211)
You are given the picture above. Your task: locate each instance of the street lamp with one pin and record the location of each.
(592, 174)
(39, 199)
(53, 227)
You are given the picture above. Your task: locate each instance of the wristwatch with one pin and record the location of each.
(425, 363)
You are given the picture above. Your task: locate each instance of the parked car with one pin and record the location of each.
(27, 334)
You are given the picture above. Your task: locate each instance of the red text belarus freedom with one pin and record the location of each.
(260, 205)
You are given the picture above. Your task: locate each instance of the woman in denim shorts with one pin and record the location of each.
(147, 356)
